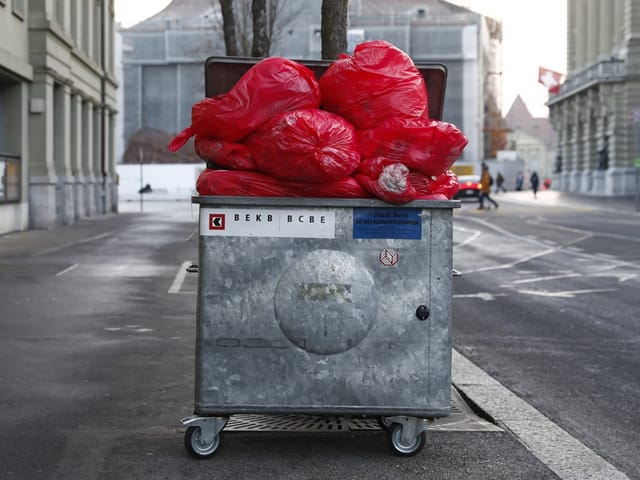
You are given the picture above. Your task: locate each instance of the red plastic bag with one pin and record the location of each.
(379, 81)
(255, 184)
(225, 154)
(448, 144)
(373, 167)
(308, 145)
(391, 184)
(445, 185)
(427, 146)
(271, 86)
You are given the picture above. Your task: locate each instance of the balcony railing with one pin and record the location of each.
(10, 166)
(604, 71)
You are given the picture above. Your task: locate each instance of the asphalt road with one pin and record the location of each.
(548, 304)
(97, 351)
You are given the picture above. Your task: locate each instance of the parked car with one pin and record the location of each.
(470, 187)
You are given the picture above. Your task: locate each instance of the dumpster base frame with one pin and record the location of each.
(218, 410)
(406, 434)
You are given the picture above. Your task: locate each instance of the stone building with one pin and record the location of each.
(597, 110)
(532, 138)
(57, 112)
(163, 57)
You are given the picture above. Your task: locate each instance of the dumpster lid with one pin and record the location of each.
(319, 202)
(222, 73)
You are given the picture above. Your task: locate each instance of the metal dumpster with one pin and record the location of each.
(322, 307)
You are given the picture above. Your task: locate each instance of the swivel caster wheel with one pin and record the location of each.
(405, 447)
(198, 445)
(384, 423)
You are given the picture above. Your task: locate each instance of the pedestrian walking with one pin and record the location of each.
(535, 182)
(519, 181)
(500, 183)
(485, 193)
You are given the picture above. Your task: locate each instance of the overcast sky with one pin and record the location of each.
(534, 35)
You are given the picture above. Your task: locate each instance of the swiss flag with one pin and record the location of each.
(549, 79)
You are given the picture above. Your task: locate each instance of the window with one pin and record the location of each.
(9, 178)
(97, 30)
(18, 8)
(59, 13)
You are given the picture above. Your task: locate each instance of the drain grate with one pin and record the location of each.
(289, 423)
(462, 418)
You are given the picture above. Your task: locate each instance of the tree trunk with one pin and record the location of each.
(334, 28)
(260, 46)
(229, 27)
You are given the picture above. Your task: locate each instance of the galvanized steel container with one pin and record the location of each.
(331, 306)
(322, 306)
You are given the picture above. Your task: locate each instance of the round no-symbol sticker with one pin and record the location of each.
(388, 257)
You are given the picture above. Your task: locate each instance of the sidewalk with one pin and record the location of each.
(554, 198)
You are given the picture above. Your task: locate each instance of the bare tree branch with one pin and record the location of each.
(250, 16)
(278, 18)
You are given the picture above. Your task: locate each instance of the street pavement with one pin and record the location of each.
(137, 435)
(553, 198)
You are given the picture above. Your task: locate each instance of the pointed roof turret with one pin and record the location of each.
(519, 118)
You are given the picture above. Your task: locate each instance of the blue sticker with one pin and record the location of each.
(399, 223)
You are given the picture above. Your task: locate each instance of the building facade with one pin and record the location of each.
(16, 75)
(57, 112)
(597, 110)
(163, 57)
(469, 44)
(532, 138)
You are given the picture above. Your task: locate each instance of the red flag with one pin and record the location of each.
(549, 79)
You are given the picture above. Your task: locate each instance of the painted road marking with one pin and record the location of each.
(589, 233)
(486, 296)
(195, 230)
(68, 269)
(179, 278)
(474, 234)
(548, 277)
(565, 455)
(563, 248)
(70, 244)
(565, 294)
(622, 277)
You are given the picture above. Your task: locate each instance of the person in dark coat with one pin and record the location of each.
(535, 182)
(500, 183)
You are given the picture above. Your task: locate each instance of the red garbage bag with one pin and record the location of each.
(256, 184)
(444, 186)
(447, 184)
(379, 81)
(373, 167)
(427, 146)
(307, 145)
(448, 144)
(224, 154)
(271, 86)
(391, 184)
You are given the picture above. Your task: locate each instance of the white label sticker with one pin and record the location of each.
(265, 222)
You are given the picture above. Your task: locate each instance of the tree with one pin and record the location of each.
(229, 28)
(260, 45)
(254, 27)
(334, 28)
